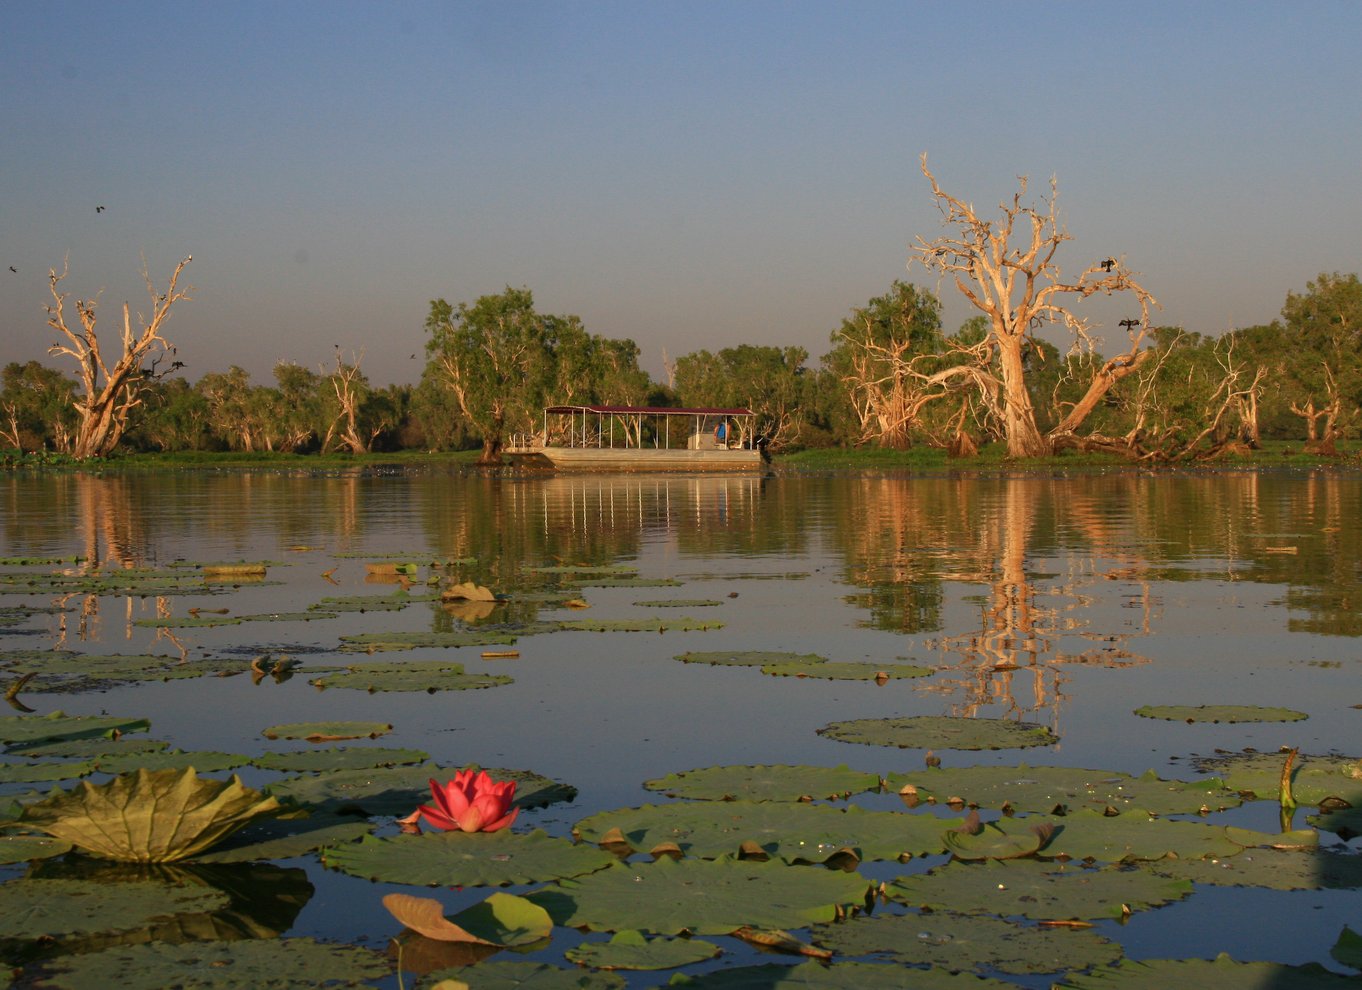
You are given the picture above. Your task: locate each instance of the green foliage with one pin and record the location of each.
(771, 381)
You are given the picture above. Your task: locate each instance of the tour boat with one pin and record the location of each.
(641, 438)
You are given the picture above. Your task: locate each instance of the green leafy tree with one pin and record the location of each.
(36, 407)
(771, 381)
(173, 416)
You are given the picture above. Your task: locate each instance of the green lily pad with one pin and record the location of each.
(623, 582)
(706, 897)
(399, 790)
(149, 816)
(34, 773)
(285, 838)
(189, 622)
(1343, 822)
(205, 761)
(466, 859)
(1220, 973)
(633, 950)
(387, 641)
(638, 625)
(1275, 869)
(312, 615)
(845, 670)
(1043, 789)
(328, 731)
(748, 658)
(1348, 948)
(679, 603)
(1220, 713)
(368, 603)
(1136, 836)
(764, 783)
(284, 964)
(964, 942)
(616, 569)
(82, 749)
(22, 848)
(422, 675)
(940, 732)
(31, 909)
(339, 758)
(805, 832)
(838, 976)
(1313, 778)
(34, 729)
(1036, 889)
(521, 976)
(1008, 839)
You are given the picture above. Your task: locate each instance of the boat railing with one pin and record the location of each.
(523, 443)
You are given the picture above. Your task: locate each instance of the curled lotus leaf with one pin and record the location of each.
(964, 942)
(1220, 713)
(765, 783)
(1035, 889)
(280, 963)
(940, 732)
(706, 897)
(150, 816)
(634, 950)
(501, 920)
(1042, 789)
(1220, 973)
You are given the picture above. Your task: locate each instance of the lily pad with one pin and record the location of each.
(1043, 789)
(764, 783)
(838, 976)
(1135, 836)
(398, 790)
(284, 964)
(22, 848)
(1313, 778)
(31, 909)
(521, 976)
(205, 761)
(284, 838)
(1038, 890)
(679, 603)
(846, 671)
(422, 675)
(1011, 839)
(149, 816)
(806, 832)
(1275, 869)
(35, 729)
(387, 641)
(466, 859)
(1343, 822)
(1220, 713)
(1220, 973)
(624, 582)
(189, 621)
(633, 950)
(940, 732)
(339, 758)
(702, 896)
(639, 625)
(328, 731)
(964, 942)
(34, 773)
(748, 658)
(1348, 948)
(81, 749)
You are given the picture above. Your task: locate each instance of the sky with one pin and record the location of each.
(688, 174)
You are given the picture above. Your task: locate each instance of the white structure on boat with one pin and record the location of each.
(641, 438)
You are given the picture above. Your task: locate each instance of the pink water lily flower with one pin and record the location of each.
(471, 802)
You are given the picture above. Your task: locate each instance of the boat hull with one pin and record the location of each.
(636, 459)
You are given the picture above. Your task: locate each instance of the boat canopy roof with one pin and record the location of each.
(647, 411)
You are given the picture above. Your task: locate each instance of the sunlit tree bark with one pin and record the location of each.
(111, 389)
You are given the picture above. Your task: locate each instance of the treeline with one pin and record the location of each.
(893, 377)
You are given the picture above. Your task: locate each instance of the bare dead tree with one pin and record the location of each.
(1006, 268)
(348, 384)
(1317, 440)
(110, 390)
(9, 433)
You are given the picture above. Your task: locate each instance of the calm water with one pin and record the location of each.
(1066, 600)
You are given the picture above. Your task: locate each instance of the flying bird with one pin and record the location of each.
(1109, 264)
(1130, 324)
(99, 209)
(13, 269)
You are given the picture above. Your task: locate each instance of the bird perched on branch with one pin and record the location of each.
(1109, 264)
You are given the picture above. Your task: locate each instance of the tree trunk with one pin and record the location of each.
(1024, 438)
(491, 452)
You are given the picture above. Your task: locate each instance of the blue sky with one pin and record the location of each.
(688, 174)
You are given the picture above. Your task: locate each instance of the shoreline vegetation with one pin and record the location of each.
(990, 458)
